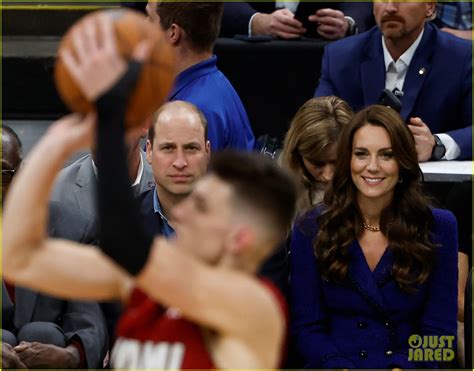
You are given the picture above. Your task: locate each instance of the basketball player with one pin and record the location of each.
(213, 312)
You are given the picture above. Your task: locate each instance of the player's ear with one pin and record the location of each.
(241, 239)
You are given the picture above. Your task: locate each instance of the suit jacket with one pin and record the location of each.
(75, 188)
(78, 319)
(365, 321)
(236, 17)
(437, 87)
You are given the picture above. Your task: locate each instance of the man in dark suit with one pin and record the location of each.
(429, 70)
(55, 333)
(329, 20)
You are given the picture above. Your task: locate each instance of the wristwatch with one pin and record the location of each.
(352, 29)
(439, 149)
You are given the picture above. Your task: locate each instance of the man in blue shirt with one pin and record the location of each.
(192, 28)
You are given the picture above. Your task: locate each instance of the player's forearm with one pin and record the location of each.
(162, 277)
(26, 214)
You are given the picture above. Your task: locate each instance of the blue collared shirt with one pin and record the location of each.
(207, 88)
(166, 230)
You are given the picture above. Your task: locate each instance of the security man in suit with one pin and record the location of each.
(430, 70)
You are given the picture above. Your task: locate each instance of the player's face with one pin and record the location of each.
(374, 169)
(179, 155)
(203, 221)
(401, 19)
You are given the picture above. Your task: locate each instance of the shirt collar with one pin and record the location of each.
(138, 179)
(193, 72)
(405, 57)
(157, 206)
(166, 230)
(140, 171)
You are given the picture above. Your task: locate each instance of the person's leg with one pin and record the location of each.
(9, 338)
(42, 332)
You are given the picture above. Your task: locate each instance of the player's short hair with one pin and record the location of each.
(261, 185)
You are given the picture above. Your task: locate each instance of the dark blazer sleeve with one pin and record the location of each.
(361, 12)
(463, 137)
(308, 313)
(79, 320)
(440, 314)
(236, 18)
(325, 85)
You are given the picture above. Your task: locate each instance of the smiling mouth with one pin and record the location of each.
(373, 181)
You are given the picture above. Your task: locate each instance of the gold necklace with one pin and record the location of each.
(370, 228)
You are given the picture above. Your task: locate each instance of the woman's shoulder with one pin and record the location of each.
(444, 228)
(443, 218)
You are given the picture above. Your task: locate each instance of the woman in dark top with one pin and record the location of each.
(375, 264)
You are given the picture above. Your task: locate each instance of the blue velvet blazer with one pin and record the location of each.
(365, 322)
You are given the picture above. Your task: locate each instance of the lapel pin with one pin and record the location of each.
(422, 71)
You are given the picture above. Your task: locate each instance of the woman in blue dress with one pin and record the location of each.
(374, 268)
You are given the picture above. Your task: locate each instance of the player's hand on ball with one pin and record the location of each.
(96, 64)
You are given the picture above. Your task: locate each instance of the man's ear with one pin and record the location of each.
(208, 148)
(430, 10)
(174, 34)
(149, 151)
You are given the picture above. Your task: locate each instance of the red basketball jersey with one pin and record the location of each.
(151, 336)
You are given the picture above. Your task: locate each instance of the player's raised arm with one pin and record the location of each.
(61, 267)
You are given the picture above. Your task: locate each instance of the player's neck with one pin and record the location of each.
(240, 264)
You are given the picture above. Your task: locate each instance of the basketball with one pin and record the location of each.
(156, 76)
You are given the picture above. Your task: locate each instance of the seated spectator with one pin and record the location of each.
(309, 149)
(455, 17)
(329, 20)
(41, 331)
(376, 263)
(192, 29)
(429, 70)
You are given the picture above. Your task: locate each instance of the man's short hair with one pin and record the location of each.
(159, 111)
(201, 21)
(261, 185)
